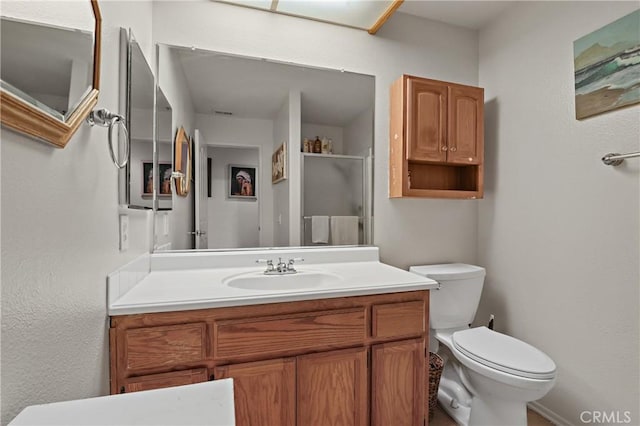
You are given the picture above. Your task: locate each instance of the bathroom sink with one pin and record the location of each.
(301, 280)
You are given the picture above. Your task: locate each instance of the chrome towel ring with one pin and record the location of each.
(105, 118)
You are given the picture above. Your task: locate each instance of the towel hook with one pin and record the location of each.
(105, 118)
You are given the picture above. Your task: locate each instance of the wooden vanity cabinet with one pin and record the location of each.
(436, 139)
(343, 361)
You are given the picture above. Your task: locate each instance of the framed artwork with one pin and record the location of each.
(182, 157)
(279, 164)
(607, 65)
(242, 182)
(164, 175)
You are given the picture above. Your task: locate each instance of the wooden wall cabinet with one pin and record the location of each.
(436, 139)
(344, 361)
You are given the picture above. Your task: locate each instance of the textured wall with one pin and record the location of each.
(558, 230)
(59, 241)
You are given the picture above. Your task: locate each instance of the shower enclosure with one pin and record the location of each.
(335, 186)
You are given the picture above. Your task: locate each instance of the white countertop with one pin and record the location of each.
(209, 403)
(186, 289)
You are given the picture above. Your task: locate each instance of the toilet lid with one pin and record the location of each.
(504, 353)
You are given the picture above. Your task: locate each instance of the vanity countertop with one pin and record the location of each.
(208, 403)
(187, 289)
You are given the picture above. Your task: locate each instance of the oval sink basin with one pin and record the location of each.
(299, 281)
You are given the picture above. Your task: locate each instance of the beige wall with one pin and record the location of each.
(558, 230)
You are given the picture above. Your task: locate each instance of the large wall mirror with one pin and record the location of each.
(144, 182)
(282, 153)
(50, 68)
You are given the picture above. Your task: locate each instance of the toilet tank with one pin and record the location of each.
(455, 302)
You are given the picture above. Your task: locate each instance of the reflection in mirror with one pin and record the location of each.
(59, 61)
(241, 111)
(50, 68)
(163, 139)
(140, 173)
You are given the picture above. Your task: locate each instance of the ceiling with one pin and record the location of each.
(256, 88)
(468, 14)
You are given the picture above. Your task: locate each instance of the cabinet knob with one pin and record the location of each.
(395, 136)
(453, 149)
(444, 148)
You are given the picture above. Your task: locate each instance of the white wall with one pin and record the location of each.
(281, 191)
(245, 132)
(409, 232)
(294, 159)
(60, 240)
(359, 134)
(558, 230)
(233, 222)
(172, 81)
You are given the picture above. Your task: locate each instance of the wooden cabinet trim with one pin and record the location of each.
(398, 320)
(147, 348)
(288, 334)
(164, 380)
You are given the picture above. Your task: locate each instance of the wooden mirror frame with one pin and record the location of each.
(25, 118)
(182, 162)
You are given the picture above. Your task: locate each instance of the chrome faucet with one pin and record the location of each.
(281, 268)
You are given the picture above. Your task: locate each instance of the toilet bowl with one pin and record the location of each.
(488, 377)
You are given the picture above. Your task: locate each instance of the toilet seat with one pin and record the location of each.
(503, 353)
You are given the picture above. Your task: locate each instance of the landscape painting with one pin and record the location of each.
(607, 67)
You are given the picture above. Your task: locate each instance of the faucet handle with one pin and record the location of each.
(292, 261)
(269, 263)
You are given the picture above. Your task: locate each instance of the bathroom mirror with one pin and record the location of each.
(240, 111)
(50, 69)
(137, 189)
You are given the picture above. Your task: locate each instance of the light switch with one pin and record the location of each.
(124, 232)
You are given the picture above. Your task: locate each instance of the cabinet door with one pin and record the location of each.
(426, 121)
(332, 388)
(398, 394)
(164, 380)
(264, 392)
(466, 125)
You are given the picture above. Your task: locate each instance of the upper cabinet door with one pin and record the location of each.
(426, 121)
(466, 125)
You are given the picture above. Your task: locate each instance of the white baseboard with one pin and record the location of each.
(548, 414)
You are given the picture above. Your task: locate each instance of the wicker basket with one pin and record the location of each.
(435, 371)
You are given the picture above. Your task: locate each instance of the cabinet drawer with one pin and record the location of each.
(397, 319)
(165, 380)
(244, 338)
(164, 347)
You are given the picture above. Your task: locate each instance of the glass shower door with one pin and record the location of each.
(333, 186)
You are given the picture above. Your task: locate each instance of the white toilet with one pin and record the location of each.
(488, 377)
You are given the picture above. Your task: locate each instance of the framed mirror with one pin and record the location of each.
(145, 181)
(245, 111)
(50, 75)
(182, 162)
